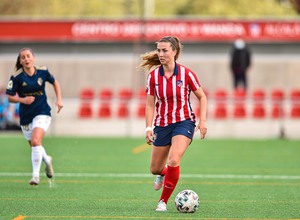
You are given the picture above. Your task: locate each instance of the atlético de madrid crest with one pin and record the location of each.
(179, 83)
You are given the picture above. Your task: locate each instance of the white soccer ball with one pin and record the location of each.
(187, 201)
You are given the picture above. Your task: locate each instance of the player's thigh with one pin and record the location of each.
(40, 125)
(180, 144)
(37, 136)
(159, 157)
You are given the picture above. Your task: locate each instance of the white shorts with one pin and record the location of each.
(40, 121)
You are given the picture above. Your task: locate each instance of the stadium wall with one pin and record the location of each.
(97, 65)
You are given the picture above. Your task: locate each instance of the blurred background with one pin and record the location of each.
(93, 47)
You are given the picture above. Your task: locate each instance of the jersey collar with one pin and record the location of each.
(35, 71)
(162, 72)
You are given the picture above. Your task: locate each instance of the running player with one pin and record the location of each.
(169, 85)
(27, 87)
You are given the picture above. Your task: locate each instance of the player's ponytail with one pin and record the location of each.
(18, 64)
(149, 60)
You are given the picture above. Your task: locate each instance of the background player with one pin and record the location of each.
(27, 87)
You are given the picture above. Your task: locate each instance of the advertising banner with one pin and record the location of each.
(150, 30)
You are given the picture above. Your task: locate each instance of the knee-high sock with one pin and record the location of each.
(171, 179)
(36, 160)
(163, 172)
(45, 156)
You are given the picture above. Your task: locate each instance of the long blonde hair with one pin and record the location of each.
(150, 59)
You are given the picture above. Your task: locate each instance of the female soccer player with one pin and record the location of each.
(168, 90)
(27, 87)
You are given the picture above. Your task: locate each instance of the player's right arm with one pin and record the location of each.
(11, 92)
(150, 107)
(24, 100)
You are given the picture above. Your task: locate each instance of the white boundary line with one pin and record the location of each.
(142, 175)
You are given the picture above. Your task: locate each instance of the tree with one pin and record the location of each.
(296, 5)
(120, 9)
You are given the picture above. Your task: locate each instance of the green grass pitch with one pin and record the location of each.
(108, 178)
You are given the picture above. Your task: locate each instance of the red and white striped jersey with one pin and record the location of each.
(172, 94)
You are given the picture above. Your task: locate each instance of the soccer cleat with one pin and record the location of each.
(34, 181)
(49, 168)
(158, 182)
(161, 207)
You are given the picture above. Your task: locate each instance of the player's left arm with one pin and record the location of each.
(199, 93)
(57, 90)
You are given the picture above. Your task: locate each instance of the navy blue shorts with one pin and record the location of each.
(163, 135)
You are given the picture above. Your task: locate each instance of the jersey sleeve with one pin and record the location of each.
(150, 84)
(193, 81)
(49, 77)
(12, 86)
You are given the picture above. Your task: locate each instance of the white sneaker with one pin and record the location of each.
(49, 168)
(161, 207)
(158, 182)
(34, 181)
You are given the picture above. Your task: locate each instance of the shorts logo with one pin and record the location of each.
(26, 127)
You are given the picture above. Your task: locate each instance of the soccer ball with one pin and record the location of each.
(187, 201)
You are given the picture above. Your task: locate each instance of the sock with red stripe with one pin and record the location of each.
(171, 179)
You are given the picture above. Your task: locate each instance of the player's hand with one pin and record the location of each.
(150, 137)
(203, 129)
(59, 105)
(28, 100)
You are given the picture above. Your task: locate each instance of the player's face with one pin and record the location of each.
(165, 53)
(26, 59)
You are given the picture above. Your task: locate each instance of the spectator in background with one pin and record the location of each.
(240, 62)
(4, 107)
(8, 114)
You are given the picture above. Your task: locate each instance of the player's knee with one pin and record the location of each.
(173, 162)
(155, 170)
(35, 141)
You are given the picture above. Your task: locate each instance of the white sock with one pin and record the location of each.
(45, 156)
(36, 159)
